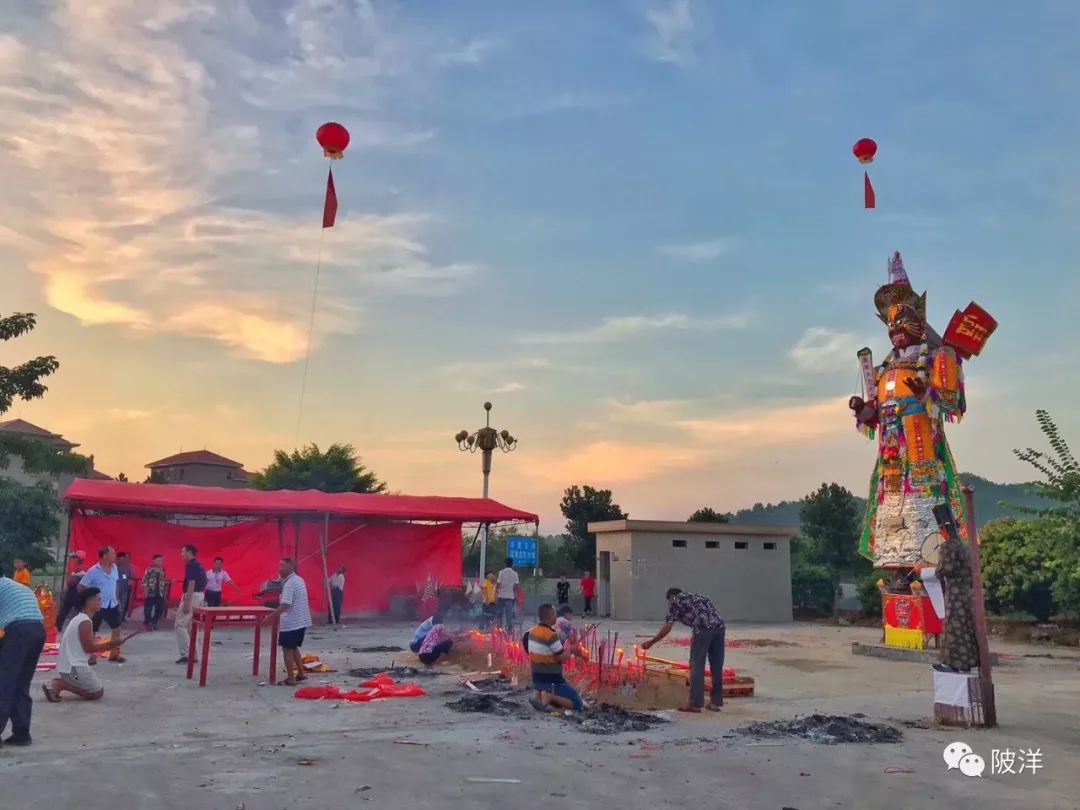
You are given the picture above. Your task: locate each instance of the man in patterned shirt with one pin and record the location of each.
(706, 644)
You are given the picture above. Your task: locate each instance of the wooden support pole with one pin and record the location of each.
(986, 680)
(324, 545)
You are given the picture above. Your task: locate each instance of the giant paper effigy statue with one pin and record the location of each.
(908, 399)
(917, 388)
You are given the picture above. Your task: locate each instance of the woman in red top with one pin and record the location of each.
(588, 590)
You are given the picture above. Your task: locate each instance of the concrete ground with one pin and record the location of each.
(158, 741)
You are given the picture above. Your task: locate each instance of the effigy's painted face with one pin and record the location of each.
(906, 327)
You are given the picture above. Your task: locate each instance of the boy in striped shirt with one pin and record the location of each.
(546, 656)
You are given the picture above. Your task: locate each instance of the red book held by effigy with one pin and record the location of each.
(969, 330)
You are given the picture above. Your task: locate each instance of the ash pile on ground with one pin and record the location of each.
(607, 719)
(380, 648)
(826, 729)
(490, 703)
(394, 672)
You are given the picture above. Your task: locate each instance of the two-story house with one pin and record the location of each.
(200, 468)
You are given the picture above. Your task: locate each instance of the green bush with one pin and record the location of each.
(869, 594)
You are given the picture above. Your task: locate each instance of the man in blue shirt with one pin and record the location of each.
(104, 576)
(421, 633)
(24, 636)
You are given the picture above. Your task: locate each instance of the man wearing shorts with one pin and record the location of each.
(77, 644)
(104, 576)
(295, 619)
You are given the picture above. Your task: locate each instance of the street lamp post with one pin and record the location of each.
(486, 440)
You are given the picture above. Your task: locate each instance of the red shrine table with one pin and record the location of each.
(210, 617)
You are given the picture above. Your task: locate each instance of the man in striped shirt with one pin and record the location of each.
(295, 619)
(546, 656)
(24, 636)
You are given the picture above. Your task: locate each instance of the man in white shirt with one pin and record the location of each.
(77, 644)
(506, 590)
(295, 619)
(337, 594)
(104, 576)
(216, 578)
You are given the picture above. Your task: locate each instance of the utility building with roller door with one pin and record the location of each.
(745, 570)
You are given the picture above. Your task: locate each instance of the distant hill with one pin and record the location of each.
(988, 499)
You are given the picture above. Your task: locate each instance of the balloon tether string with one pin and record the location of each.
(311, 331)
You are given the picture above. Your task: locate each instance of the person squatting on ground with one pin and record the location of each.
(194, 596)
(77, 644)
(420, 633)
(546, 656)
(706, 645)
(105, 576)
(295, 616)
(24, 637)
(153, 585)
(438, 642)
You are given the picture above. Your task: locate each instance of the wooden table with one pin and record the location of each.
(210, 617)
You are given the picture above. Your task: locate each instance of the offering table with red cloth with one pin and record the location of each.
(210, 617)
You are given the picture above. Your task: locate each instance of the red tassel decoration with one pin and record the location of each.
(329, 216)
(869, 198)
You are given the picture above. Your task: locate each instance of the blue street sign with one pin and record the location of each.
(522, 550)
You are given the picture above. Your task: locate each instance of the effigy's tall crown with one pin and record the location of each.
(898, 294)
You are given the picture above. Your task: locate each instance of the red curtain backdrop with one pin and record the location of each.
(380, 559)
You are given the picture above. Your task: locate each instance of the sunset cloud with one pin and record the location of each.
(615, 329)
(118, 157)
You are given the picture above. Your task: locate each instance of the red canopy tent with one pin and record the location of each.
(389, 543)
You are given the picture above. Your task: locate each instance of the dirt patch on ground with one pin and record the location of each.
(489, 703)
(377, 649)
(806, 664)
(826, 729)
(396, 672)
(607, 719)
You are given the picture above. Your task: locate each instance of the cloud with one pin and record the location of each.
(470, 54)
(680, 443)
(821, 349)
(673, 33)
(615, 329)
(649, 411)
(566, 102)
(125, 150)
(510, 388)
(502, 376)
(128, 414)
(703, 251)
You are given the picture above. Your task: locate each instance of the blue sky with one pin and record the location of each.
(636, 226)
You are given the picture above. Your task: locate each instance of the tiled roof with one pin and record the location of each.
(24, 428)
(195, 457)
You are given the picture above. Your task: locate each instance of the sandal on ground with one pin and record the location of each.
(119, 660)
(300, 678)
(690, 709)
(50, 695)
(288, 682)
(712, 707)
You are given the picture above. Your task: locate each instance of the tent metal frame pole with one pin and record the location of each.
(64, 560)
(324, 545)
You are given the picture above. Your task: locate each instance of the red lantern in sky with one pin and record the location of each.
(333, 138)
(865, 149)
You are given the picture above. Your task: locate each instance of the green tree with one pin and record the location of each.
(338, 469)
(830, 519)
(1054, 541)
(29, 520)
(1017, 574)
(582, 505)
(811, 584)
(707, 514)
(23, 381)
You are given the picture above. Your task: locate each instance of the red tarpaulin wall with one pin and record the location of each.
(381, 559)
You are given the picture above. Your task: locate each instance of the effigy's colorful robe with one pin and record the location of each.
(915, 470)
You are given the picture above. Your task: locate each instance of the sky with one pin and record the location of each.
(635, 226)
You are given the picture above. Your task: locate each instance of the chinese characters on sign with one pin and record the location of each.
(969, 330)
(522, 550)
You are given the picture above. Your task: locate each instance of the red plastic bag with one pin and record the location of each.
(356, 696)
(382, 679)
(396, 690)
(328, 692)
